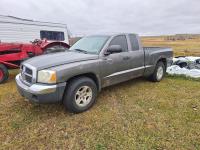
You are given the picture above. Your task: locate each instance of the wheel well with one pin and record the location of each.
(164, 60)
(89, 75)
(56, 44)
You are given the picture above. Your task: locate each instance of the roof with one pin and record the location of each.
(17, 20)
(109, 35)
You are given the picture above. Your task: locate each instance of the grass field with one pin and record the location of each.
(134, 115)
(190, 47)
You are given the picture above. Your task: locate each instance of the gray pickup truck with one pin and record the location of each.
(76, 76)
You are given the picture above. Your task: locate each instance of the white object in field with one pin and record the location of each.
(176, 70)
(186, 59)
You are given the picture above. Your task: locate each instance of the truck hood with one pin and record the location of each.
(61, 58)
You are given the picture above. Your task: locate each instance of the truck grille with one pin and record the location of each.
(27, 74)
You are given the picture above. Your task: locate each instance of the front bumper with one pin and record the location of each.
(41, 93)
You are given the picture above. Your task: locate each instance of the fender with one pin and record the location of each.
(161, 57)
(45, 45)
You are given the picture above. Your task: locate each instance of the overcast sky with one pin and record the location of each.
(84, 17)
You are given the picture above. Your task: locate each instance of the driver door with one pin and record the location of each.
(114, 66)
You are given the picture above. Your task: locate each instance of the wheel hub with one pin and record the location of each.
(83, 96)
(160, 73)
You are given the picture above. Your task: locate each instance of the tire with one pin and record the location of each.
(3, 73)
(75, 99)
(159, 72)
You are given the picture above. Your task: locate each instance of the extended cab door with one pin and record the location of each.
(114, 67)
(136, 56)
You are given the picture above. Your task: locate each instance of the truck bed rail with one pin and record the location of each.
(155, 48)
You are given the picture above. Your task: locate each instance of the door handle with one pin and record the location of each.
(126, 58)
(108, 60)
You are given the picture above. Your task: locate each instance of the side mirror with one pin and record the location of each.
(113, 49)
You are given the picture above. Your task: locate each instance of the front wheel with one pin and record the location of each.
(159, 72)
(80, 95)
(3, 73)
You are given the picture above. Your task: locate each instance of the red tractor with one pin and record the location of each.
(12, 54)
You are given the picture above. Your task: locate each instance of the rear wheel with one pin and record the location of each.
(159, 72)
(3, 73)
(80, 94)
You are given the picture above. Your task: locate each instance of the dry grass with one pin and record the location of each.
(190, 47)
(134, 115)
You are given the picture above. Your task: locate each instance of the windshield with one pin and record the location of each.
(91, 44)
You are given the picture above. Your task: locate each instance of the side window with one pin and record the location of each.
(134, 42)
(52, 35)
(120, 40)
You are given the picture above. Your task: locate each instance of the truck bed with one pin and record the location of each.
(158, 50)
(153, 54)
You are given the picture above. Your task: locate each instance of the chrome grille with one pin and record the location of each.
(27, 74)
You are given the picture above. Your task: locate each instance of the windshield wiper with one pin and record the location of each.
(81, 50)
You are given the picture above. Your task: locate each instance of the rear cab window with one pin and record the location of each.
(134, 42)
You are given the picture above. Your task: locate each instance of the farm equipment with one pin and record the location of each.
(12, 54)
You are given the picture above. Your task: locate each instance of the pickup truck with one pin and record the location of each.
(75, 77)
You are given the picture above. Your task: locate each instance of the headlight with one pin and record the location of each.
(46, 76)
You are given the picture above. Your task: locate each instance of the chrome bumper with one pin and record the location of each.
(35, 88)
(40, 93)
